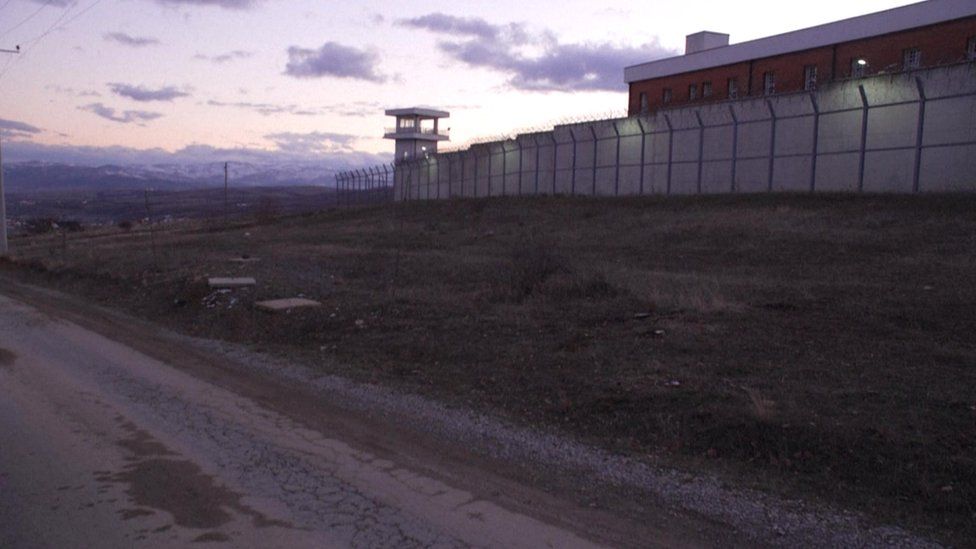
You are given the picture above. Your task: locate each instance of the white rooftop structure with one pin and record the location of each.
(704, 50)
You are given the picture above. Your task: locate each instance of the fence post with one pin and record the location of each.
(427, 163)
(521, 150)
(572, 186)
(616, 164)
(504, 166)
(535, 140)
(464, 156)
(864, 137)
(919, 134)
(667, 120)
(475, 182)
(367, 184)
(772, 145)
(640, 124)
(351, 191)
(361, 186)
(555, 149)
(489, 171)
(735, 144)
(450, 176)
(701, 149)
(595, 152)
(816, 142)
(337, 189)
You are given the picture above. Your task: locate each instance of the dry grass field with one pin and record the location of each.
(815, 345)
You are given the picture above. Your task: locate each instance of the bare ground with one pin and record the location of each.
(813, 345)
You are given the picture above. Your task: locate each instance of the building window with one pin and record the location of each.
(644, 105)
(706, 89)
(733, 88)
(769, 83)
(693, 92)
(911, 59)
(666, 96)
(810, 77)
(971, 49)
(858, 67)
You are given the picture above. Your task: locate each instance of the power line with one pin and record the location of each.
(28, 18)
(33, 42)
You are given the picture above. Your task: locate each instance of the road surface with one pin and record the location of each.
(112, 435)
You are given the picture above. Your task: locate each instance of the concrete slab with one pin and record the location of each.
(219, 282)
(276, 305)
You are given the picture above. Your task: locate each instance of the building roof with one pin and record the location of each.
(845, 30)
(424, 112)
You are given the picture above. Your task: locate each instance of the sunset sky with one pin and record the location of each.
(137, 81)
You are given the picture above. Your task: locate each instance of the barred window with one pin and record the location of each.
(810, 77)
(769, 83)
(733, 85)
(666, 96)
(693, 92)
(911, 59)
(971, 49)
(644, 105)
(706, 89)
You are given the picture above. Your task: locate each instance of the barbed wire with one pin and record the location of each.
(613, 114)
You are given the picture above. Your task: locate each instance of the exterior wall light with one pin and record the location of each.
(862, 62)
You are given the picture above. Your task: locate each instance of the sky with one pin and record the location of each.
(187, 81)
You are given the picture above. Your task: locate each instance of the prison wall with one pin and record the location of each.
(901, 133)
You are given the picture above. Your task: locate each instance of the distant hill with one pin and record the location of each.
(26, 177)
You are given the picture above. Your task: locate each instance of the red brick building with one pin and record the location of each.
(936, 32)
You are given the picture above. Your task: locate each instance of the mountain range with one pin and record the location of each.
(28, 177)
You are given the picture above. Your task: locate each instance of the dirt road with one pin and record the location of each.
(103, 444)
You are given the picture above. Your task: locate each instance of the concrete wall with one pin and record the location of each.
(874, 135)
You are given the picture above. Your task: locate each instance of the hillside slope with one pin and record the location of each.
(816, 345)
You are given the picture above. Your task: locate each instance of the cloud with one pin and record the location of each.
(534, 61)
(139, 93)
(229, 4)
(312, 142)
(266, 109)
(357, 109)
(129, 40)
(457, 26)
(57, 3)
(67, 90)
(124, 117)
(225, 57)
(333, 59)
(15, 129)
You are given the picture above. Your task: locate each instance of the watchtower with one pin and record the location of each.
(417, 132)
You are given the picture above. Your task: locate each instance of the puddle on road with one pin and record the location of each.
(7, 358)
(156, 481)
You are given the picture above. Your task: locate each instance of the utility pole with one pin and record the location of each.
(3, 207)
(225, 193)
(3, 204)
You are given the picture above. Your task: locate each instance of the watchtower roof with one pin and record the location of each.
(422, 112)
